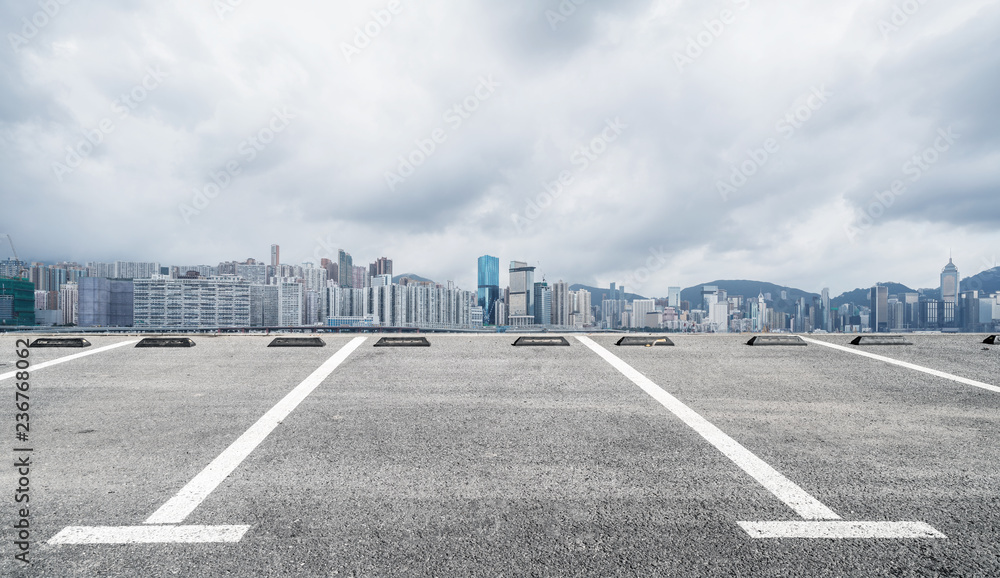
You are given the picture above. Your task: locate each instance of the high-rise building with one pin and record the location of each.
(105, 270)
(69, 301)
(488, 289)
(674, 297)
(361, 278)
(105, 302)
(17, 302)
(522, 286)
(543, 303)
(314, 278)
(911, 310)
(640, 307)
(255, 274)
(581, 315)
(345, 268)
(275, 256)
(826, 309)
(709, 295)
(135, 270)
(879, 304)
(206, 303)
(950, 290)
(330, 267)
(562, 306)
(381, 266)
(11, 268)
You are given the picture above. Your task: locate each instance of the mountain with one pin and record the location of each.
(987, 282)
(413, 276)
(750, 290)
(597, 295)
(861, 296)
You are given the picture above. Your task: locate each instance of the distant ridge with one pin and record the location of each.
(986, 282)
(413, 276)
(860, 296)
(750, 290)
(597, 295)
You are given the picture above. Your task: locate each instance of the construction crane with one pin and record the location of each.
(21, 268)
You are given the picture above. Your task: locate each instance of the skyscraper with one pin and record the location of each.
(381, 266)
(543, 304)
(489, 287)
(562, 304)
(522, 286)
(275, 256)
(674, 297)
(345, 268)
(950, 287)
(826, 308)
(879, 319)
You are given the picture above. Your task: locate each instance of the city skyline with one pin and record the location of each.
(587, 143)
(474, 284)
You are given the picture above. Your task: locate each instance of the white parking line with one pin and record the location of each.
(912, 366)
(841, 530)
(784, 489)
(821, 521)
(199, 488)
(195, 492)
(148, 534)
(45, 364)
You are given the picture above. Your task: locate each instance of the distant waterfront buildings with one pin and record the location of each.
(191, 303)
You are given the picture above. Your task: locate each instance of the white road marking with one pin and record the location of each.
(45, 364)
(842, 530)
(784, 489)
(195, 492)
(927, 370)
(148, 534)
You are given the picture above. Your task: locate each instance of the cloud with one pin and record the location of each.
(559, 83)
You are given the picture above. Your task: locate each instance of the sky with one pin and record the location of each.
(655, 144)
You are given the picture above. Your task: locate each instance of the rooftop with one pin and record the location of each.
(475, 457)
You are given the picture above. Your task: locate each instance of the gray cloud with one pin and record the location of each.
(656, 187)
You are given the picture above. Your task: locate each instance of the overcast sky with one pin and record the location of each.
(737, 139)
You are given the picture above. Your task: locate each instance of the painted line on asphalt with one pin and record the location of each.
(821, 521)
(842, 530)
(148, 534)
(198, 489)
(195, 492)
(57, 361)
(784, 489)
(912, 366)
